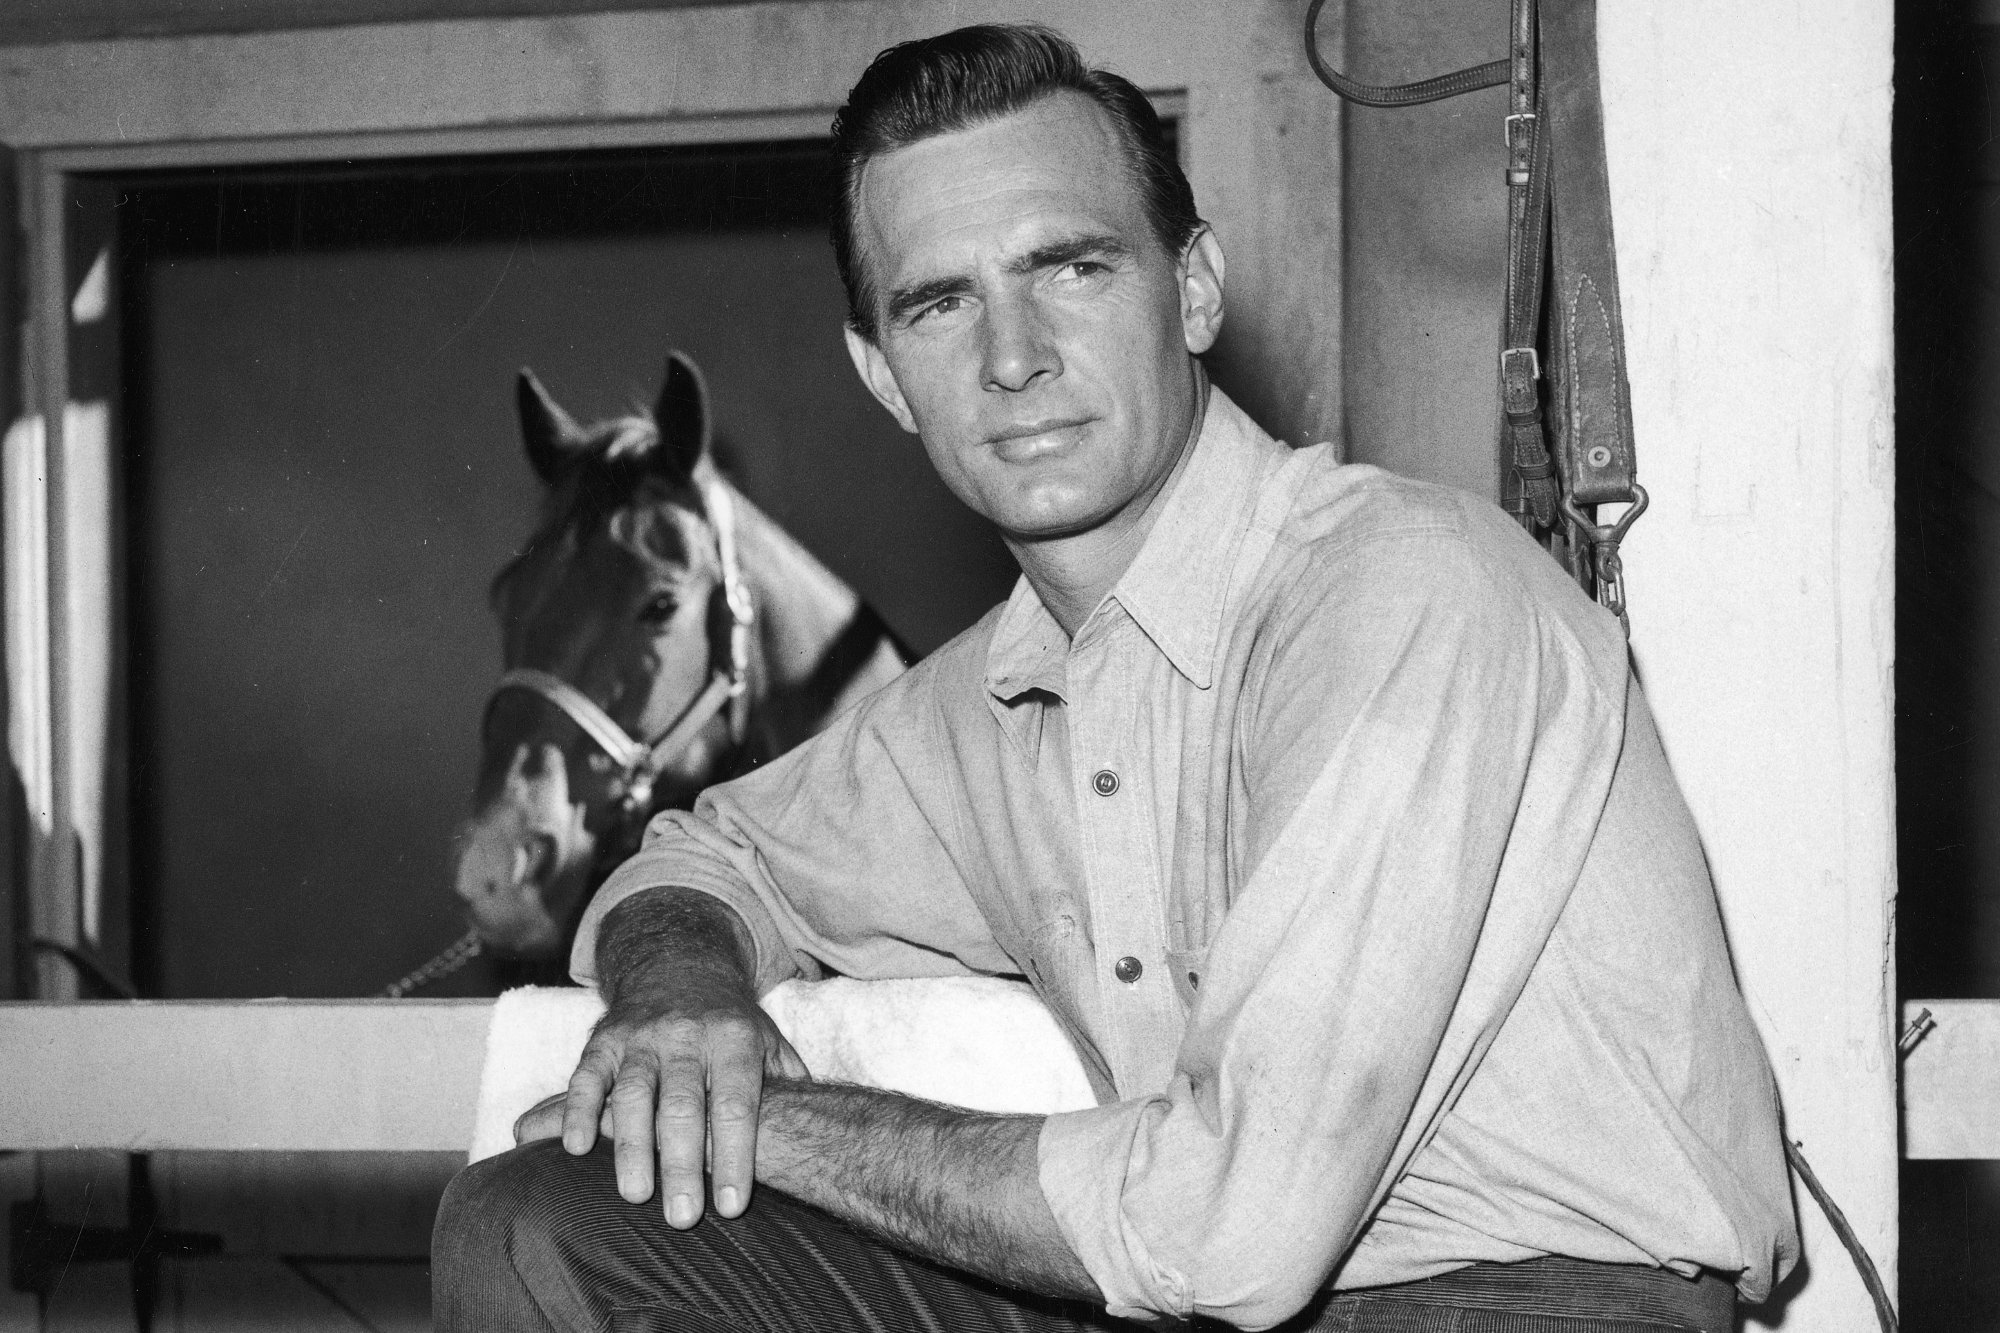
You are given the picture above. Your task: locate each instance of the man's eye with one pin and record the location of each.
(1080, 269)
(947, 305)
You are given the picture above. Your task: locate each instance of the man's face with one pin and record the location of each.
(1032, 329)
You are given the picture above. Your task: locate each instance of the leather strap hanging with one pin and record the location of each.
(1590, 396)
(1527, 248)
(1559, 239)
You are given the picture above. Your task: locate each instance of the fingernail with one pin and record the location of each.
(729, 1199)
(683, 1212)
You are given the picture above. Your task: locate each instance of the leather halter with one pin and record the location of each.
(637, 763)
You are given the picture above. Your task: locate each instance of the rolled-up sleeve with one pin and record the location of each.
(1426, 755)
(830, 854)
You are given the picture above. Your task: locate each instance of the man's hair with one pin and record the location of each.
(937, 85)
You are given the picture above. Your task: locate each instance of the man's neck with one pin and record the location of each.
(1073, 574)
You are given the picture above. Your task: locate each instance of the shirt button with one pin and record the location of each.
(1105, 783)
(1128, 968)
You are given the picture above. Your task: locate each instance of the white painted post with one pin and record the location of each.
(1749, 156)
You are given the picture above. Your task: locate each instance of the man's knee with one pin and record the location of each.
(482, 1201)
(492, 1213)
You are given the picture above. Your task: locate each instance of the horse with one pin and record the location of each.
(659, 633)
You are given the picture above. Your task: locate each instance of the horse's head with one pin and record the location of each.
(618, 629)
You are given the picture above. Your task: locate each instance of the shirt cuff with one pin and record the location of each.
(1084, 1158)
(660, 869)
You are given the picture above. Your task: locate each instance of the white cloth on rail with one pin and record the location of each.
(971, 1041)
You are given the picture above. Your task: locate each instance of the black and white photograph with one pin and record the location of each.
(678, 666)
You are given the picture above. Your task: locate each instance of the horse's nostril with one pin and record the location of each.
(537, 859)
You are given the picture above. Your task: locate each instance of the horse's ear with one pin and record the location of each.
(682, 416)
(553, 438)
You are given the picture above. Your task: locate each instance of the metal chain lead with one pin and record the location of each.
(453, 957)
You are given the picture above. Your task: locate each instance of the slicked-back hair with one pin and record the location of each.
(959, 79)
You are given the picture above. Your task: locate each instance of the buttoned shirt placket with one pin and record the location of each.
(1124, 800)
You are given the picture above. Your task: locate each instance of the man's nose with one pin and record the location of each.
(1020, 348)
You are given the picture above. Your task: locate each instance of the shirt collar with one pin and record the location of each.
(1177, 586)
(1028, 649)
(1175, 589)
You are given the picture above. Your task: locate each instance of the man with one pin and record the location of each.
(1317, 804)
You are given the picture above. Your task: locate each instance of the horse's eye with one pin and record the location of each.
(659, 609)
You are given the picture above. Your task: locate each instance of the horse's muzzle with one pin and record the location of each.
(524, 857)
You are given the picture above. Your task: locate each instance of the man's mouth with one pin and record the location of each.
(1028, 440)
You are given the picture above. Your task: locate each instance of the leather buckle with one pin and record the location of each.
(1534, 361)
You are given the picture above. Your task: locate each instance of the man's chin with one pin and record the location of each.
(1040, 534)
(1056, 514)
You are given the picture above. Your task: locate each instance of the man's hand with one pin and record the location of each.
(676, 1068)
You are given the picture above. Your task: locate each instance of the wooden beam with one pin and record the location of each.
(650, 65)
(40, 22)
(1951, 1081)
(274, 1074)
(403, 1075)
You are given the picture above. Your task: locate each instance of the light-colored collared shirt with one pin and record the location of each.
(1342, 845)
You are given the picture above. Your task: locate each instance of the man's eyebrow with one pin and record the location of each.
(1068, 251)
(917, 295)
(908, 299)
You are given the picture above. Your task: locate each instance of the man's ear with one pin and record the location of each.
(1201, 292)
(873, 368)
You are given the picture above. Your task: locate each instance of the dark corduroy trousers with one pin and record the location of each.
(539, 1240)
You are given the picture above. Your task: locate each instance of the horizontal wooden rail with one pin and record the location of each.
(403, 1075)
(270, 1074)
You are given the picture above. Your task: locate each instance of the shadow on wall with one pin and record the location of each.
(1947, 221)
(16, 929)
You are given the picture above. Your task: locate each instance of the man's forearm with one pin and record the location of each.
(955, 1186)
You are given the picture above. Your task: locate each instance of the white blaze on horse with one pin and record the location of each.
(659, 634)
